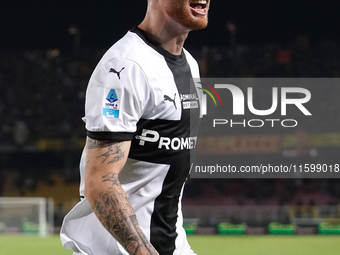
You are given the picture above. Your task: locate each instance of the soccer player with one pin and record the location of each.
(142, 115)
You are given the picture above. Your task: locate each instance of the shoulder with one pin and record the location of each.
(131, 48)
(118, 69)
(121, 64)
(132, 53)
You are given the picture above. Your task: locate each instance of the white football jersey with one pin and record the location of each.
(141, 92)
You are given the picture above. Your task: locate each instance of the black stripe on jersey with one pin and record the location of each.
(184, 128)
(114, 136)
(150, 151)
(164, 218)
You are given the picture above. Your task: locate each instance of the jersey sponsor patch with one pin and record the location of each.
(111, 103)
(174, 143)
(190, 105)
(190, 101)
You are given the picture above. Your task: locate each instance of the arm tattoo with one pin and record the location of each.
(112, 206)
(142, 237)
(114, 218)
(114, 151)
(87, 164)
(94, 144)
(116, 214)
(111, 177)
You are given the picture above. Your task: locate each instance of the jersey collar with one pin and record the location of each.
(179, 59)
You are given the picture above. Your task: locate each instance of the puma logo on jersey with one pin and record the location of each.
(167, 98)
(112, 70)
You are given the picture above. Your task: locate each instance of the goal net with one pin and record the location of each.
(26, 215)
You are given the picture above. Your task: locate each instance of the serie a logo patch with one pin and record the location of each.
(111, 103)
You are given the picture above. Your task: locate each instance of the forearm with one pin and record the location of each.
(116, 214)
(108, 199)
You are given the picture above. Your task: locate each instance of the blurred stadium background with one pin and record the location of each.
(41, 132)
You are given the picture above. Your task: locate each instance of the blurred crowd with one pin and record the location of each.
(42, 96)
(42, 91)
(298, 59)
(262, 192)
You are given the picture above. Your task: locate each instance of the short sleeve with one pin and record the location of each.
(115, 100)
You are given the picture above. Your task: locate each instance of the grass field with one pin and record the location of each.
(202, 245)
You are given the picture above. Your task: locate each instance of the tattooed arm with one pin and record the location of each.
(104, 160)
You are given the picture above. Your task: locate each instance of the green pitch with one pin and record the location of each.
(265, 245)
(202, 245)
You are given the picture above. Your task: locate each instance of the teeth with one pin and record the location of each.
(200, 10)
(200, 2)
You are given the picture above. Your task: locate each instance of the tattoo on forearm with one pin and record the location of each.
(114, 152)
(114, 218)
(117, 215)
(142, 237)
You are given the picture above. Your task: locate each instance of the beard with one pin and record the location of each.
(179, 11)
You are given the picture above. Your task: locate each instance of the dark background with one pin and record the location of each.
(43, 78)
(44, 24)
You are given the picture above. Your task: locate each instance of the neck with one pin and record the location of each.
(166, 33)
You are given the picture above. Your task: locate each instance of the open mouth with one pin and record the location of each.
(199, 6)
